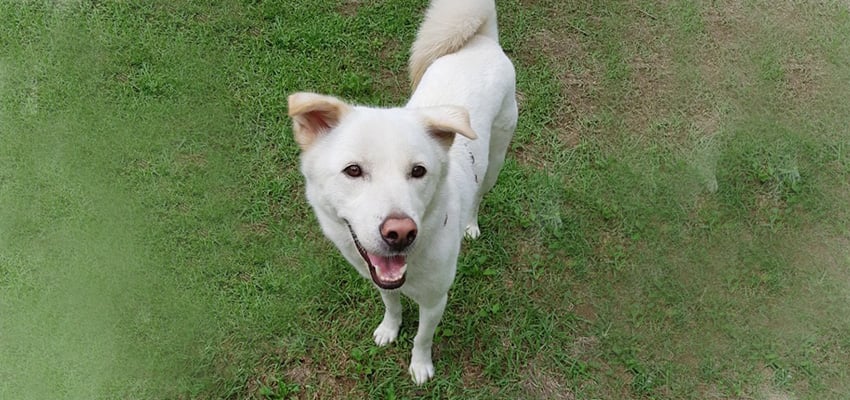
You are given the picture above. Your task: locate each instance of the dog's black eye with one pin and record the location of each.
(418, 171)
(353, 171)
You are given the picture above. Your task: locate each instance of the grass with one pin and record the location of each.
(672, 221)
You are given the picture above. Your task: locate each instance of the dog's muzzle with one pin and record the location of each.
(388, 272)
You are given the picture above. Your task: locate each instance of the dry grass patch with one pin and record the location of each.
(654, 89)
(540, 383)
(565, 51)
(805, 77)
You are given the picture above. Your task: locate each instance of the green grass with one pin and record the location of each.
(671, 223)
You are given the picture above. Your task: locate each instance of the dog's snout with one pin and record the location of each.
(398, 232)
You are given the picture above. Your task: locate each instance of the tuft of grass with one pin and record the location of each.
(671, 222)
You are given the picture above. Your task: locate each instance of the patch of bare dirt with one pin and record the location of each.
(276, 375)
(804, 78)
(586, 312)
(725, 20)
(473, 376)
(768, 391)
(349, 7)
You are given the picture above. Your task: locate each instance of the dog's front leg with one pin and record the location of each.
(421, 367)
(387, 331)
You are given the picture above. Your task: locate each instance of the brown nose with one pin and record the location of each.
(398, 232)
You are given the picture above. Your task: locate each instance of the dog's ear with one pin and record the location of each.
(314, 115)
(444, 122)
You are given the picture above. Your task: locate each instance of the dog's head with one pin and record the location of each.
(375, 173)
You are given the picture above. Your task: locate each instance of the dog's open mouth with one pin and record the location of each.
(387, 271)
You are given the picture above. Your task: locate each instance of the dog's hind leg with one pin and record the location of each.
(472, 229)
(387, 331)
(501, 133)
(421, 366)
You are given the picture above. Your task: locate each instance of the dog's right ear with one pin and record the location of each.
(314, 115)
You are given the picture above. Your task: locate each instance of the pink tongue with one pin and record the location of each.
(388, 269)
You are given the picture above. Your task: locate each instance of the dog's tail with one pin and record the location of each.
(448, 26)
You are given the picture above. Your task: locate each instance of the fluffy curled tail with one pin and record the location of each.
(448, 26)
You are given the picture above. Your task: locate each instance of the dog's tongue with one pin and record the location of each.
(389, 269)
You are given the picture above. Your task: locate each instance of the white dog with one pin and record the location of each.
(395, 189)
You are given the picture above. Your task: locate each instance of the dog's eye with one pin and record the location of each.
(418, 171)
(353, 171)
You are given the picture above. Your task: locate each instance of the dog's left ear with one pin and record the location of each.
(314, 115)
(444, 122)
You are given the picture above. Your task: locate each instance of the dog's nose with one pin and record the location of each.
(398, 232)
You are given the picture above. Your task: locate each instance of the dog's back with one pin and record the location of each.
(456, 60)
(447, 27)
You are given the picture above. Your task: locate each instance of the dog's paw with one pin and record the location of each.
(472, 231)
(385, 333)
(421, 372)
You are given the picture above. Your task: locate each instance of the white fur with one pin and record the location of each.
(466, 88)
(448, 26)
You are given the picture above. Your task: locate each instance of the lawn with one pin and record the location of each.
(672, 221)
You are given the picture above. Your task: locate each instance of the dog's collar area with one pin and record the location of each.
(397, 264)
